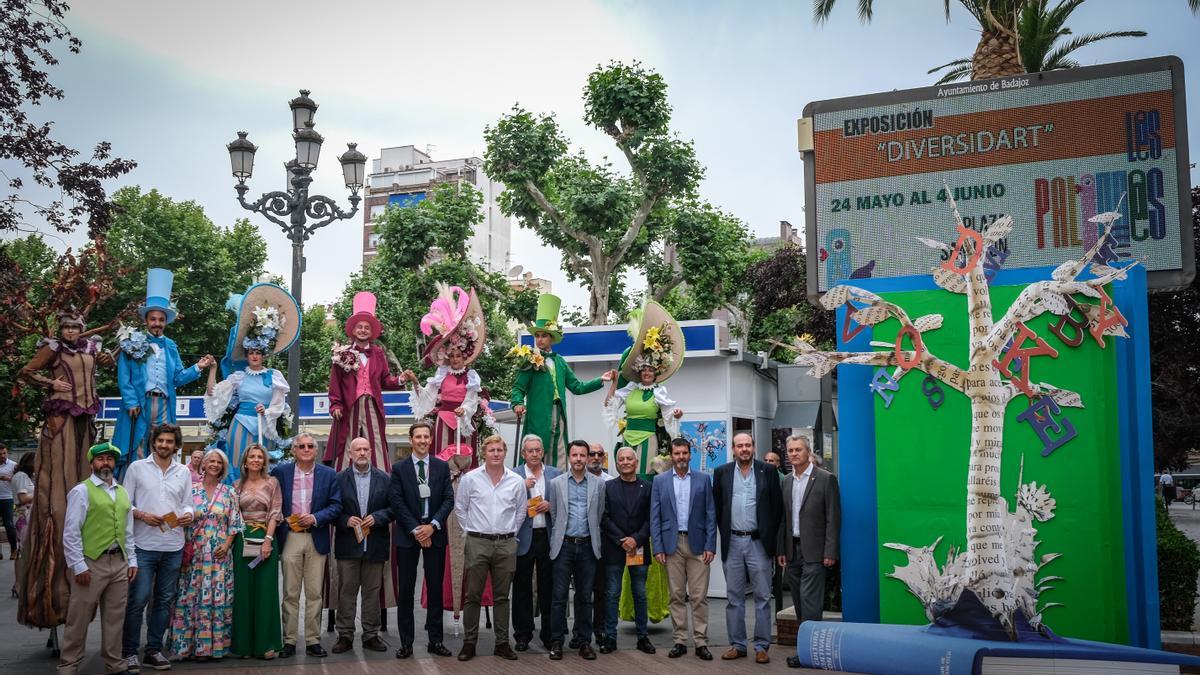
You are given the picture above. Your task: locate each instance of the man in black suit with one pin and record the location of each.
(626, 533)
(421, 499)
(808, 539)
(360, 547)
(748, 503)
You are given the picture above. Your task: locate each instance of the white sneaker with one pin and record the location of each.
(132, 665)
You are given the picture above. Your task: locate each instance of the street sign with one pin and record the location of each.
(1049, 149)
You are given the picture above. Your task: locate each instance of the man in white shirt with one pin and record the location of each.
(160, 492)
(7, 469)
(491, 507)
(101, 556)
(808, 538)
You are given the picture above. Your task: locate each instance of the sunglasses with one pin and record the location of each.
(306, 445)
(595, 454)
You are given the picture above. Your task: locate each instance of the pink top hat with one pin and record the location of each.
(364, 310)
(452, 449)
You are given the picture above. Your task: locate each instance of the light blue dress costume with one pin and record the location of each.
(244, 390)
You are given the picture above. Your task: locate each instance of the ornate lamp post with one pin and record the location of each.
(294, 210)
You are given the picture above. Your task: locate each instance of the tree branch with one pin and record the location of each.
(555, 215)
(1063, 397)
(635, 226)
(662, 290)
(821, 363)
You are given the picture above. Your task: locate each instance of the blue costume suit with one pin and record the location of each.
(131, 380)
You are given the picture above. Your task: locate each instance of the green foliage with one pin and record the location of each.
(713, 253)
(604, 221)
(1178, 568)
(404, 280)
(209, 262)
(36, 264)
(316, 344)
(778, 292)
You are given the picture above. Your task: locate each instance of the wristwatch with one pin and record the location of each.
(269, 537)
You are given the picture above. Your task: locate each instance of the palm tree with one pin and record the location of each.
(998, 53)
(1038, 30)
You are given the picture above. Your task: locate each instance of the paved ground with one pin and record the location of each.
(1187, 519)
(23, 651)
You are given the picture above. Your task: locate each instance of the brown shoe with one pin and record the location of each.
(505, 652)
(761, 657)
(343, 644)
(467, 652)
(732, 653)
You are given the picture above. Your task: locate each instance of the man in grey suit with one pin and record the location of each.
(683, 534)
(747, 496)
(578, 504)
(533, 546)
(808, 540)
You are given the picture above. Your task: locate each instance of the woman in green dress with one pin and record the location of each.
(646, 419)
(257, 630)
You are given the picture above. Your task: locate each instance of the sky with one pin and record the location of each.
(170, 83)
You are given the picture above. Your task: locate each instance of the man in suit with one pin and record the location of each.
(808, 539)
(683, 533)
(578, 498)
(311, 495)
(421, 498)
(533, 546)
(746, 493)
(626, 532)
(361, 559)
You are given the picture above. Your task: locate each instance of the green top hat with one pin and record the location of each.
(547, 317)
(105, 448)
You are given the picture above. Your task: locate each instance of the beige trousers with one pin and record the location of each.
(687, 579)
(483, 557)
(302, 566)
(108, 591)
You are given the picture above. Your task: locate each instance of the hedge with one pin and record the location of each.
(1178, 568)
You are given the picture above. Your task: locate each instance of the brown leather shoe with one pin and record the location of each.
(761, 657)
(732, 653)
(467, 652)
(343, 644)
(505, 652)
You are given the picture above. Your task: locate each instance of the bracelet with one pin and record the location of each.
(269, 537)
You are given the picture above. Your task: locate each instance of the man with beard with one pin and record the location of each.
(595, 466)
(99, 549)
(160, 492)
(578, 499)
(148, 378)
(360, 547)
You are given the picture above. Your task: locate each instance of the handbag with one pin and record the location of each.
(251, 548)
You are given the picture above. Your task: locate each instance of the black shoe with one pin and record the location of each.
(316, 650)
(505, 652)
(794, 662)
(438, 649)
(288, 650)
(467, 652)
(575, 643)
(607, 646)
(703, 653)
(521, 646)
(677, 651)
(343, 644)
(404, 652)
(645, 646)
(155, 661)
(375, 644)
(555, 651)
(587, 652)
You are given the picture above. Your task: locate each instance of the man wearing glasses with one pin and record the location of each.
(596, 461)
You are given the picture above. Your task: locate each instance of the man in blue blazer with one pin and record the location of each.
(421, 500)
(361, 559)
(312, 501)
(683, 532)
(149, 372)
(533, 547)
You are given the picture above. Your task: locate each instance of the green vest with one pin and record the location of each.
(105, 521)
(641, 417)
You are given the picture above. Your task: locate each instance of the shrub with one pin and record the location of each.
(1178, 568)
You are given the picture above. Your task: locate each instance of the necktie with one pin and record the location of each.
(421, 480)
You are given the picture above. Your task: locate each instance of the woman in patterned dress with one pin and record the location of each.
(202, 623)
(69, 430)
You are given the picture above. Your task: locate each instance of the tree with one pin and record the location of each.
(602, 221)
(997, 565)
(1039, 29)
(32, 30)
(778, 293)
(404, 274)
(317, 335)
(999, 52)
(209, 262)
(711, 251)
(1174, 373)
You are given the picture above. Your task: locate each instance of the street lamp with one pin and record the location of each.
(292, 209)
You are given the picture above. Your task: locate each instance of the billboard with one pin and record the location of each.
(1049, 149)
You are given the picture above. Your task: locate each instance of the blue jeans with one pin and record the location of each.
(157, 571)
(579, 562)
(748, 568)
(637, 582)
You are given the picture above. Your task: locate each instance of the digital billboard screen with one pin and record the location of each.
(1051, 150)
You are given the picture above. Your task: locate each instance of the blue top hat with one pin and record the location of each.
(158, 293)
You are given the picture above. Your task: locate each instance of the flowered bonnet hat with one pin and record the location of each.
(457, 318)
(268, 321)
(657, 343)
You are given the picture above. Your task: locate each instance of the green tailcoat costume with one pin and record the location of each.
(543, 392)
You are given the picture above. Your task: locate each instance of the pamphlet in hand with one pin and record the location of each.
(254, 563)
(533, 504)
(635, 557)
(170, 521)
